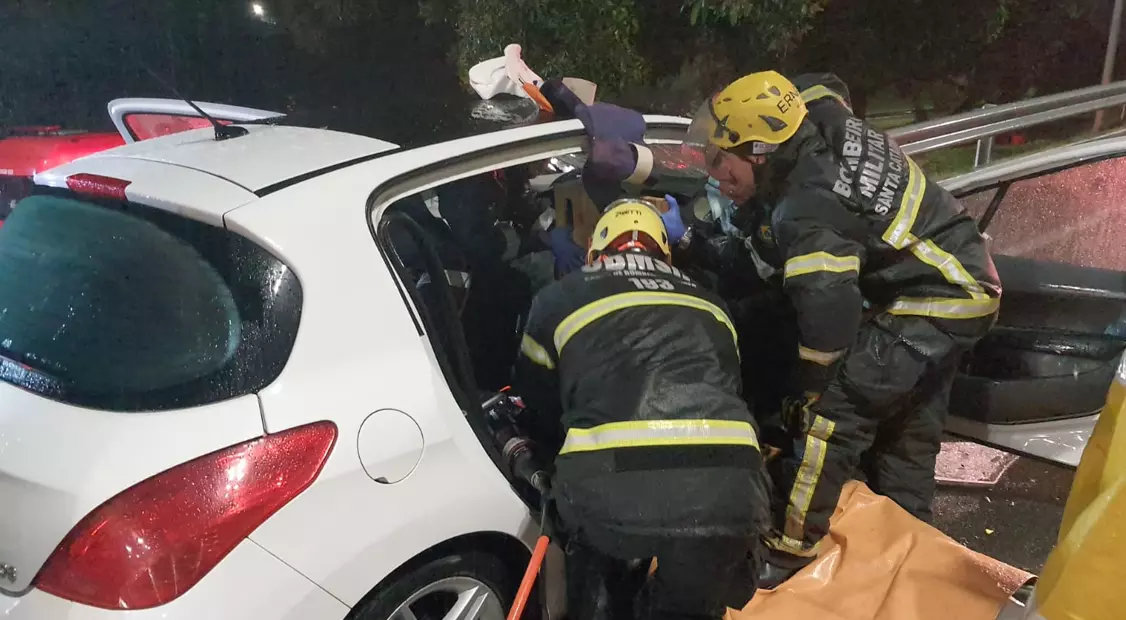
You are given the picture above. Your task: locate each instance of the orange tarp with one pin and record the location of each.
(880, 563)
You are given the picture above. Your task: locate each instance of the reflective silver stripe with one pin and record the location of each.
(536, 352)
(940, 308)
(457, 279)
(659, 433)
(821, 261)
(950, 267)
(824, 358)
(897, 234)
(591, 312)
(809, 474)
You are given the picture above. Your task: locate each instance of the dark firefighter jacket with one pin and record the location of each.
(853, 220)
(639, 367)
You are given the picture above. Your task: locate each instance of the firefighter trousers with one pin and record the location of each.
(883, 415)
(696, 579)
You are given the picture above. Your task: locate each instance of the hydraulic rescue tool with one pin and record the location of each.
(501, 412)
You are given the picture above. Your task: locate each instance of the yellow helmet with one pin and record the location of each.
(629, 223)
(761, 110)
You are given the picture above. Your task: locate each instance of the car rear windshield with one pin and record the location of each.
(117, 306)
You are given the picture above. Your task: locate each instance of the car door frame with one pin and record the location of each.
(452, 161)
(429, 167)
(1058, 441)
(119, 109)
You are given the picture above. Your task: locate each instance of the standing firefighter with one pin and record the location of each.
(638, 366)
(853, 224)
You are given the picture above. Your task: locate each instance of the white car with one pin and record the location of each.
(221, 395)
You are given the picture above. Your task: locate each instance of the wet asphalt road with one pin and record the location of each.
(1022, 511)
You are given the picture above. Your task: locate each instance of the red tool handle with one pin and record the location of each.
(529, 578)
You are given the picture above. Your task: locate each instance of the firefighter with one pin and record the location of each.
(637, 368)
(890, 280)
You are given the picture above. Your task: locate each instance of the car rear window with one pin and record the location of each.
(118, 306)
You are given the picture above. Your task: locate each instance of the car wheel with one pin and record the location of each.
(462, 586)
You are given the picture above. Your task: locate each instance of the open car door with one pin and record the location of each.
(141, 118)
(1055, 222)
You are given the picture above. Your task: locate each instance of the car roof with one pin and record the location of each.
(266, 156)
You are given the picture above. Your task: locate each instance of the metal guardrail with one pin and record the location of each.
(982, 124)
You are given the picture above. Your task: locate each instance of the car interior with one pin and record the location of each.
(1062, 327)
(471, 254)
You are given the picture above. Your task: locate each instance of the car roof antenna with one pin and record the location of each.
(222, 132)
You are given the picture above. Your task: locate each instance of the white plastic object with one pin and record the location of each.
(503, 75)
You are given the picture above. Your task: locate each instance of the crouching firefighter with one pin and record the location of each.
(854, 223)
(637, 367)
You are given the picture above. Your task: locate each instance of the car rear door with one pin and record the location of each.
(1035, 384)
(142, 118)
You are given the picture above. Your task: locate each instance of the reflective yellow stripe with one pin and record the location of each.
(898, 233)
(536, 352)
(791, 546)
(945, 308)
(820, 261)
(593, 311)
(899, 236)
(814, 93)
(644, 433)
(949, 266)
(824, 358)
(816, 446)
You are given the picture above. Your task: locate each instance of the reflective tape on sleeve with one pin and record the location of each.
(820, 261)
(647, 433)
(824, 358)
(536, 352)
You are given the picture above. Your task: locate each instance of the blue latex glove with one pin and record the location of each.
(674, 224)
(569, 256)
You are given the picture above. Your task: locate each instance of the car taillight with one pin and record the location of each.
(97, 185)
(157, 539)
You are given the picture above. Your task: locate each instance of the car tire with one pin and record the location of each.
(480, 583)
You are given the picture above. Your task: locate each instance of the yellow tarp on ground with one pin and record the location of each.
(880, 563)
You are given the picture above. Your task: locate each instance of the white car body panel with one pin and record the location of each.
(267, 155)
(191, 193)
(248, 583)
(355, 330)
(1060, 441)
(120, 108)
(58, 462)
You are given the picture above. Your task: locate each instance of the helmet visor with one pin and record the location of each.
(705, 132)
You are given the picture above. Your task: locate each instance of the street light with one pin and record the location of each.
(257, 9)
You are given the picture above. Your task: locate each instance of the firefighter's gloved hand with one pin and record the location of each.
(674, 224)
(562, 100)
(569, 256)
(797, 413)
